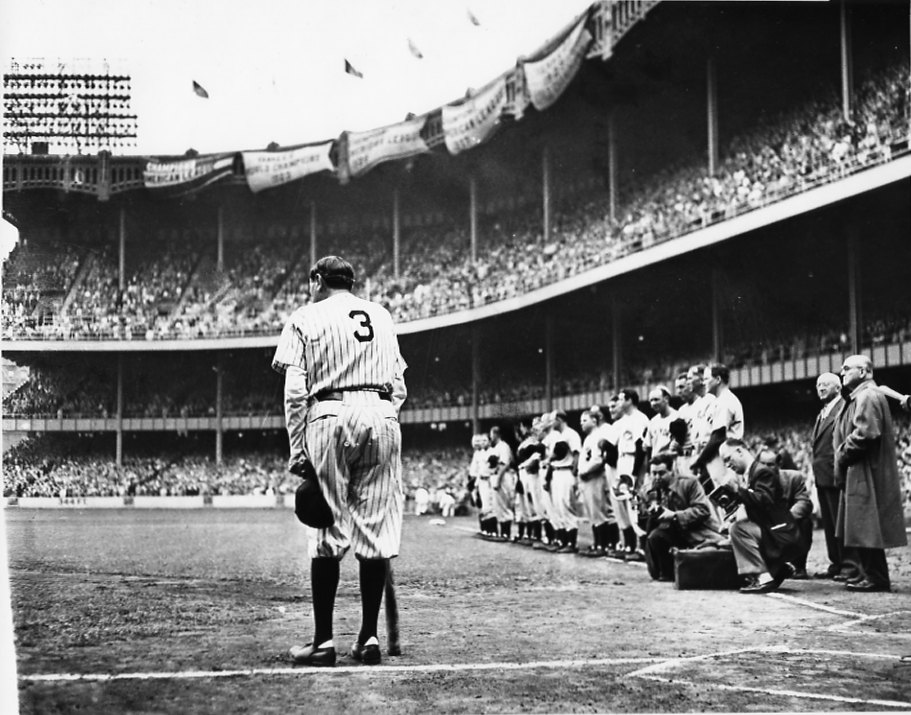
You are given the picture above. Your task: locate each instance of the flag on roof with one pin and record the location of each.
(349, 68)
(200, 90)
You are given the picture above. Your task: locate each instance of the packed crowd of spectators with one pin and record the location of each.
(781, 156)
(47, 467)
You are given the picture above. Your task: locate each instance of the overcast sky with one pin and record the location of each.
(274, 69)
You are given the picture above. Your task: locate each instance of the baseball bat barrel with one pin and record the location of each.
(392, 613)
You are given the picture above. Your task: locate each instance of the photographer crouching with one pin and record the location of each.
(679, 515)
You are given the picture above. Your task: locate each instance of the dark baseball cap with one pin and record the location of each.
(337, 272)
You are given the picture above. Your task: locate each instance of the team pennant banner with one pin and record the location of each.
(471, 121)
(365, 150)
(547, 78)
(266, 169)
(186, 175)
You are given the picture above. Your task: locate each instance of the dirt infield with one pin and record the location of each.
(193, 612)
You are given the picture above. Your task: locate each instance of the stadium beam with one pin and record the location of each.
(545, 181)
(396, 232)
(473, 216)
(219, 411)
(612, 166)
(711, 98)
(119, 432)
(475, 378)
(122, 240)
(313, 233)
(549, 359)
(220, 237)
(854, 288)
(717, 327)
(847, 61)
(616, 315)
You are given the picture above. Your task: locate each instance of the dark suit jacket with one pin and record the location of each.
(823, 449)
(767, 507)
(796, 494)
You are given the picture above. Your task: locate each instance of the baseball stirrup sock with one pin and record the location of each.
(596, 537)
(373, 579)
(612, 535)
(324, 575)
(571, 537)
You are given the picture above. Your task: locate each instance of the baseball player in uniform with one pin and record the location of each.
(530, 455)
(726, 420)
(658, 433)
(593, 481)
(630, 430)
(702, 412)
(479, 471)
(344, 387)
(502, 482)
(563, 447)
(526, 518)
(684, 447)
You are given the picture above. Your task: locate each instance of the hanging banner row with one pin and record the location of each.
(460, 125)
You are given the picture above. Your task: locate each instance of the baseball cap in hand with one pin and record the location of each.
(310, 506)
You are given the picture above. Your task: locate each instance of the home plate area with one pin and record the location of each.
(870, 678)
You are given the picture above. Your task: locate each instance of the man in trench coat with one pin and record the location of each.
(870, 517)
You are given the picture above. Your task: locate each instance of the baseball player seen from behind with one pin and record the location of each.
(344, 387)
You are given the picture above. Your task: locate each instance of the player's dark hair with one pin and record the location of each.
(631, 395)
(665, 458)
(336, 272)
(722, 371)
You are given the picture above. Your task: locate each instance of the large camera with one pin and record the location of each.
(725, 499)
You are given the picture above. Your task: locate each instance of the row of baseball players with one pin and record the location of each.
(561, 475)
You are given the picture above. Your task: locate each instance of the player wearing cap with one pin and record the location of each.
(528, 463)
(563, 447)
(344, 387)
(502, 482)
(630, 428)
(593, 481)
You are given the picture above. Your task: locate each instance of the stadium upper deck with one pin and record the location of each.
(615, 183)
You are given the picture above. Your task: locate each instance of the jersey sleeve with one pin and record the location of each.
(290, 349)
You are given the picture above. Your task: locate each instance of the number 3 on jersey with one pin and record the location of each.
(362, 337)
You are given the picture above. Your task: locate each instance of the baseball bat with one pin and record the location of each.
(392, 613)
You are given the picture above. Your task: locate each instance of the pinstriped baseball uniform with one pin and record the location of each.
(347, 346)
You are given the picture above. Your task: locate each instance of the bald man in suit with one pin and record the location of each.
(828, 388)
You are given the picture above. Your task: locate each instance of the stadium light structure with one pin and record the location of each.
(78, 106)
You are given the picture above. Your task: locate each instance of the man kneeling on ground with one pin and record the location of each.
(766, 541)
(679, 515)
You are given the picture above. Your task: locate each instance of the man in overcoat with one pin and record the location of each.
(870, 517)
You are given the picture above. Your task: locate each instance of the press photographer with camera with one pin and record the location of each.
(767, 540)
(679, 515)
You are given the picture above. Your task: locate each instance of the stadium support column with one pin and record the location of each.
(475, 379)
(616, 316)
(220, 238)
(396, 232)
(711, 92)
(119, 431)
(219, 411)
(847, 61)
(549, 360)
(717, 327)
(612, 167)
(545, 181)
(312, 233)
(122, 250)
(473, 216)
(854, 288)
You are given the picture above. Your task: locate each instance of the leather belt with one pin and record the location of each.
(339, 395)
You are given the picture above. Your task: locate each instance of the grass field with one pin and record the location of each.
(176, 611)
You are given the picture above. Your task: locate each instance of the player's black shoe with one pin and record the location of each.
(311, 655)
(366, 654)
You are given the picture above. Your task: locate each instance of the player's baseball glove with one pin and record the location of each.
(493, 461)
(310, 506)
(561, 450)
(609, 452)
